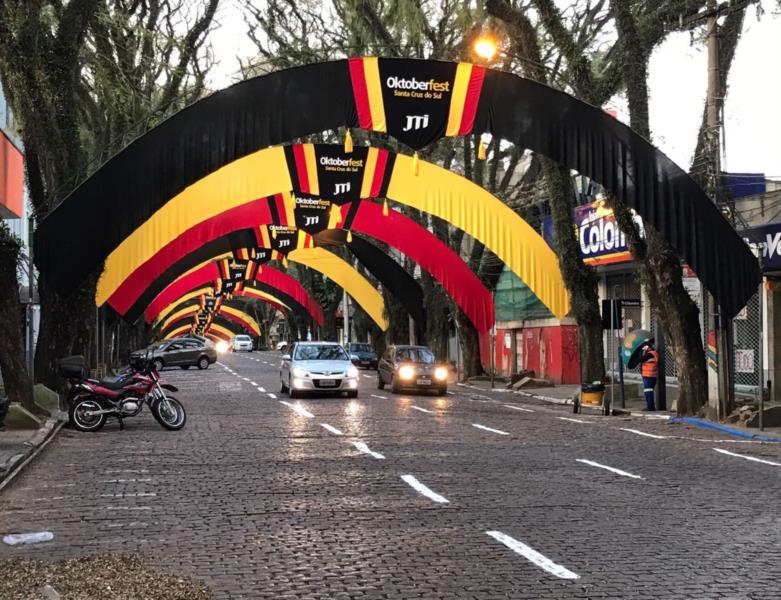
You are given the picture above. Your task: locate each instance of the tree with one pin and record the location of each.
(76, 75)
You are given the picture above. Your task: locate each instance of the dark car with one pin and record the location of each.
(362, 355)
(181, 352)
(411, 368)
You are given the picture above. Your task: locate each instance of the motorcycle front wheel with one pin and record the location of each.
(169, 412)
(81, 420)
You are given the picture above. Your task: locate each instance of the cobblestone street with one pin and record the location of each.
(477, 496)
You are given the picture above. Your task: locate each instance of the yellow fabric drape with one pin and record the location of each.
(187, 310)
(347, 277)
(224, 332)
(471, 208)
(177, 332)
(229, 310)
(256, 175)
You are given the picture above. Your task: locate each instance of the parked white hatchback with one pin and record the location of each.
(318, 367)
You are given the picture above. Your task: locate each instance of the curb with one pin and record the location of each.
(704, 424)
(34, 446)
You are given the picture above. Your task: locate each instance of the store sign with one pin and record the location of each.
(768, 239)
(599, 237)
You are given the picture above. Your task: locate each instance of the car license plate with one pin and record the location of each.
(327, 383)
(424, 382)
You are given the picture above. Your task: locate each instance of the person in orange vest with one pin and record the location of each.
(650, 371)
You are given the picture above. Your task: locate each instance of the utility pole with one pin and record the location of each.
(346, 313)
(713, 116)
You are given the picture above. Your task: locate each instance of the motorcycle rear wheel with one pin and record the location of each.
(80, 420)
(169, 413)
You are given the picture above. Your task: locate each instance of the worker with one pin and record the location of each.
(650, 371)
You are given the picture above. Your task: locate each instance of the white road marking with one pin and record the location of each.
(123, 481)
(129, 495)
(422, 489)
(572, 420)
(517, 408)
(533, 556)
(127, 470)
(425, 410)
(368, 376)
(378, 396)
(483, 427)
(366, 450)
(752, 458)
(270, 395)
(127, 508)
(451, 393)
(331, 428)
(643, 433)
(261, 389)
(245, 378)
(611, 469)
(298, 408)
(133, 524)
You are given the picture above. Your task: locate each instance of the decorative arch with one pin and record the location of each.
(374, 94)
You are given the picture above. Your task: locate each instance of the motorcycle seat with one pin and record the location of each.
(112, 383)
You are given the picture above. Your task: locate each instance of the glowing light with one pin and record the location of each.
(440, 373)
(485, 48)
(222, 346)
(407, 372)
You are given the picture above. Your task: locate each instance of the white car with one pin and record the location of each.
(242, 343)
(318, 367)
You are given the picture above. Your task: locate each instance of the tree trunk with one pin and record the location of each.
(469, 342)
(580, 279)
(16, 380)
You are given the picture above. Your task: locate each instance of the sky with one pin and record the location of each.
(677, 82)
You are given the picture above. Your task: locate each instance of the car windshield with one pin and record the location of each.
(360, 348)
(243, 338)
(320, 352)
(416, 355)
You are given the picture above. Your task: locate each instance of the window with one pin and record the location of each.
(360, 348)
(320, 352)
(416, 355)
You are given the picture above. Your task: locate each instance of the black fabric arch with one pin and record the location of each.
(288, 104)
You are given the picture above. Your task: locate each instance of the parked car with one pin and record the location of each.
(282, 346)
(411, 368)
(183, 352)
(362, 355)
(242, 343)
(318, 367)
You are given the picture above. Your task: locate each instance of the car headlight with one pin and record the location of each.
(299, 372)
(352, 372)
(406, 372)
(222, 346)
(440, 373)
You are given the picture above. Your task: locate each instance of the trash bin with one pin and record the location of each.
(4, 404)
(592, 393)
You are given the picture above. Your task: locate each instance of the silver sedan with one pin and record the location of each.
(318, 367)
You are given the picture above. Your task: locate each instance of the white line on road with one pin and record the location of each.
(368, 376)
(422, 489)
(270, 395)
(130, 495)
(517, 408)
(123, 481)
(378, 396)
(499, 431)
(572, 420)
(298, 408)
(643, 433)
(366, 450)
(245, 378)
(533, 556)
(611, 469)
(752, 458)
(253, 383)
(331, 428)
(425, 410)
(261, 389)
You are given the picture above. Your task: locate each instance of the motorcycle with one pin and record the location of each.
(91, 402)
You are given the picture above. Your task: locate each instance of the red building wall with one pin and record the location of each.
(551, 352)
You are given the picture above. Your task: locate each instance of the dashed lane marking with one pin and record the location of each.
(378, 396)
(611, 469)
(572, 420)
(521, 408)
(361, 447)
(751, 458)
(644, 434)
(533, 556)
(422, 489)
(298, 408)
(425, 410)
(484, 428)
(368, 376)
(270, 395)
(130, 495)
(331, 428)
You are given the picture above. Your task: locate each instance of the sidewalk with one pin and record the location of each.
(18, 446)
(564, 395)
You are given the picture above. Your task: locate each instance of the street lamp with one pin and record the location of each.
(485, 47)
